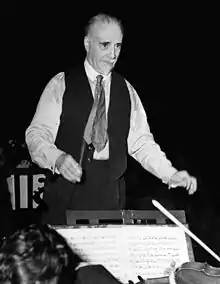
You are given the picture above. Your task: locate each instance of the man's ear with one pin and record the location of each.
(86, 43)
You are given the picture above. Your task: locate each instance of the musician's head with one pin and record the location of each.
(34, 255)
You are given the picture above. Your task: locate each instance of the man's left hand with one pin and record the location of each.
(183, 179)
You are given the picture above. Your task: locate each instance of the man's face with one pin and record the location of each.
(103, 46)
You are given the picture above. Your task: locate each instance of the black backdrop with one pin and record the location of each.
(169, 55)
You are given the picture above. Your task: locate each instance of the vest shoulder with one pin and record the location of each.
(118, 75)
(125, 79)
(74, 71)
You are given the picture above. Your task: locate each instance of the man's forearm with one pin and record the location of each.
(42, 150)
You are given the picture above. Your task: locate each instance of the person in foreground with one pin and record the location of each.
(38, 254)
(87, 120)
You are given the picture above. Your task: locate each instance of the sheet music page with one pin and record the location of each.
(130, 250)
(97, 246)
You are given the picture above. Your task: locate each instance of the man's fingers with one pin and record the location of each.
(190, 184)
(71, 170)
(193, 186)
(182, 178)
(73, 166)
(69, 176)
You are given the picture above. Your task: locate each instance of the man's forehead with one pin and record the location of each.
(107, 31)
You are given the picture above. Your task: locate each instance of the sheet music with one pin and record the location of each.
(130, 250)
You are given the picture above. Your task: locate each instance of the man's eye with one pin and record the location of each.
(118, 45)
(104, 44)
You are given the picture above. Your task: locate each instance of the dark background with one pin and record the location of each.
(169, 55)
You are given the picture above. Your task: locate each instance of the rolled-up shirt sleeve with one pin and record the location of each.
(141, 144)
(41, 134)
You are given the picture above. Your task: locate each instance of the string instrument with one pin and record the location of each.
(197, 272)
(188, 272)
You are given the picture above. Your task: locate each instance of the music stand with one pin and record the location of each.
(127, 217)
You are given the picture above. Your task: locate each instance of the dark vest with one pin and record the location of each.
(77, 103)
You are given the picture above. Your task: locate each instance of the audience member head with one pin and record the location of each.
(36, 254)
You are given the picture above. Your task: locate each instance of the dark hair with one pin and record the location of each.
(36, 253)
(103, 18)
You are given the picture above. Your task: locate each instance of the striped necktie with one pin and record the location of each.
(96, 128)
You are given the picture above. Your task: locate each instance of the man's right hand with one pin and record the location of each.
(69, 168)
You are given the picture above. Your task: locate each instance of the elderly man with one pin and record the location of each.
(86, 122)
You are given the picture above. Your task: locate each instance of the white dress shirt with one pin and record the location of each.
(42, 131)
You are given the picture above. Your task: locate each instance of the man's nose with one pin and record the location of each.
(113, 53)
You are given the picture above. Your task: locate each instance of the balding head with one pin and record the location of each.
(101, 19)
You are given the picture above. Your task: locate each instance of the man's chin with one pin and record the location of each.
(107, 67)
(108, 70)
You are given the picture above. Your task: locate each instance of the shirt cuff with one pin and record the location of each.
(168, 174)
(52, 155)
(161, 168)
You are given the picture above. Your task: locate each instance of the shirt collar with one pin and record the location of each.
(92, 73)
